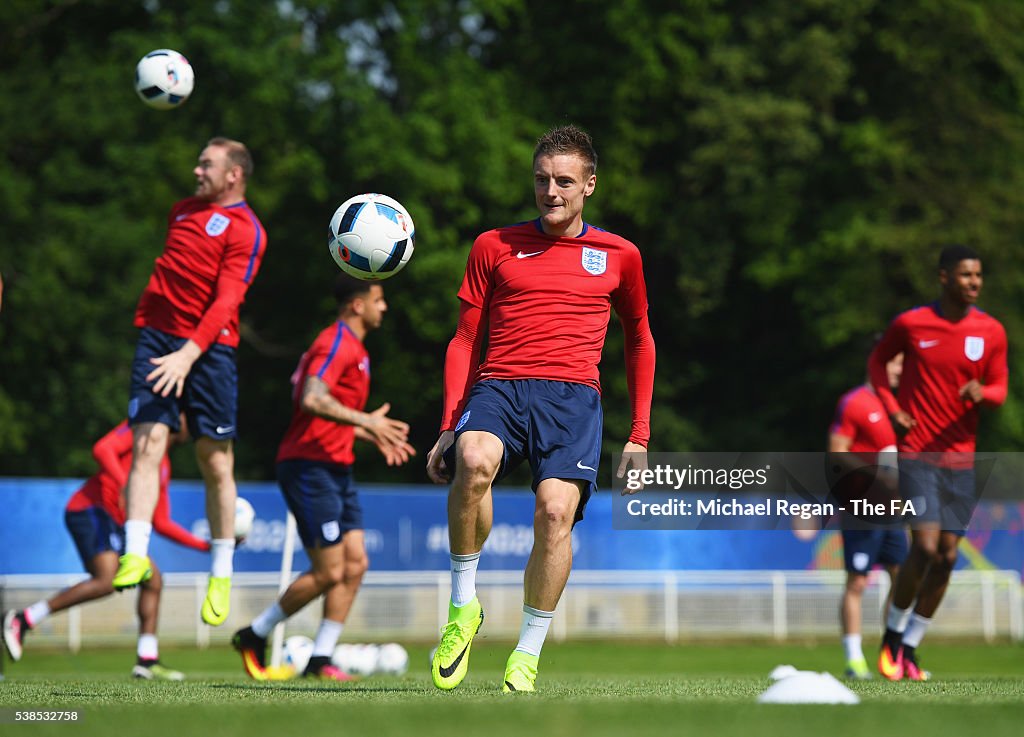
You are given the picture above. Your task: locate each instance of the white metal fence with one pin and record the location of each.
(663, 605)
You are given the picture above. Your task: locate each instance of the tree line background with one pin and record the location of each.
(787, 167)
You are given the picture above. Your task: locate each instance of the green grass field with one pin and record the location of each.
(585, 688)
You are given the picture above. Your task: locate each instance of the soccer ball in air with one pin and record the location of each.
(371, 237)
(245, 515)
(164, 79)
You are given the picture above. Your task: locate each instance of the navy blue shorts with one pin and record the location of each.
(210, 397)
(555, 425)
(863, 549)
(943, 495)
(323, 500)
(94, 532)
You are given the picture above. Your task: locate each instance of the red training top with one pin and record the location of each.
(861, 417)
(546, 303)
(339, 359)
(940, 357)
(199, 281)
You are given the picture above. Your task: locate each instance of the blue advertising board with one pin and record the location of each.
(406, 529)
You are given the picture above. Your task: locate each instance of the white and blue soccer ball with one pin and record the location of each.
(245, 515)
(298, 649)
(371, 236)
(392, 659)
(164, 79)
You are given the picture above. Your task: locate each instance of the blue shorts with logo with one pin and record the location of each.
(555, 425)
(863, 549)
(940, 495)
(94, 532)
(210, 396)
(323, 500)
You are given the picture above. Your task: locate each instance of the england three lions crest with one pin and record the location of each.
(595, 262)
(217, 224)
(974, 347)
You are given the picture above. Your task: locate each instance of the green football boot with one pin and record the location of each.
(451, 660)
(520, 672)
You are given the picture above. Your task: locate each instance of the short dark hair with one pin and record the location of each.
(238, 154)
(348, 288)
(954, 253)
(567, 140)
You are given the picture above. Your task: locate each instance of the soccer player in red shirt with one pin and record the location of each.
(860, 431)
(542, 292)
(185, 359)
(95, 518)
(954, 364)
(314, 469)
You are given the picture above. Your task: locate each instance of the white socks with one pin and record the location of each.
(37, 613)
(852, 647)
(147, 649)
(464, 578)
(533, 630)
(136, 537)
(222, 553)
(914, 633)
(327, 637)
(268, 619)
(896, 619)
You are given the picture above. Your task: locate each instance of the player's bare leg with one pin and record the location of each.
(547, 572)
(470, 516)
(327, 572)
(470, 506)
(101, 568)
(924, 540)
(933, 588)
(148, 665)
(17, 623)
(217, 464)
(149, 445)
(338, 601)
(850, 614)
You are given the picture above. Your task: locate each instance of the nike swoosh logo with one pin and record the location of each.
(927, 343)
(579, 465)
(528, 255)
(222, 429)
(446, 672)
(510, 686)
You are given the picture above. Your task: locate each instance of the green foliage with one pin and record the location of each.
(787, 169)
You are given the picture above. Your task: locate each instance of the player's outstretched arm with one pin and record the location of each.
(460, 362)
(395, 455)
(386, 430)
(318, 401)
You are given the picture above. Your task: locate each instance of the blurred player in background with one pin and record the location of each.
(541, 292)
(95, 518)
(954, 364)
(860, 431)
(185, 359)
(314, 469)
